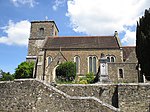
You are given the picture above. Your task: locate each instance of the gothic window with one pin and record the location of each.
(120, 73)
(92, 60)
(77, 61)
(41, 31)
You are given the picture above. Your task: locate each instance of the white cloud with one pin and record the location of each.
(17, 3)
(103, 17)
(17, 33)
(58, 3)
(129, 38)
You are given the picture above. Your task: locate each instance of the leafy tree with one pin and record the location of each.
(6, 76)
(66, 71)
(24, 70)
(143, 44)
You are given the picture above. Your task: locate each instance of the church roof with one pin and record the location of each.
(127, 50)
(81, 42)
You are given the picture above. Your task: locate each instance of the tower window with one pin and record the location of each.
(120, 73)
(41, 31)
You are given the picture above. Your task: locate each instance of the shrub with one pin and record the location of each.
(66, 71)
(24, 70)
(83, 81)
(88, 79)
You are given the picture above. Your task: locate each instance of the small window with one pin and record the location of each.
(112, 59)
(77, 61)
(108, 59)
(120, 73)
(41, 31)
(49, 60)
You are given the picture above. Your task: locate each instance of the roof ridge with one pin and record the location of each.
(79, 36)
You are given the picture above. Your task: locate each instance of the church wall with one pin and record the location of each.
(84, 54)
(130, 73)
(34, 46)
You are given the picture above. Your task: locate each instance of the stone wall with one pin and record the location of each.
(35, 96)
(107, 93)
(130, 73)
(134, 97)
(34, 46)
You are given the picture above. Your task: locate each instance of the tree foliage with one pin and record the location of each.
(66, 71)
(143, 44)
(24, 70)
(6, 76)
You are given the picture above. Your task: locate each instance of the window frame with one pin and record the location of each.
(92, 57)
(77, 72)
(119, 75)
(41, 31)
(48, 63)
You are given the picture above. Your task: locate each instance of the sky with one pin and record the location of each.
(73, 18)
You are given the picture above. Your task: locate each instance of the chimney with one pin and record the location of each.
(117, 38)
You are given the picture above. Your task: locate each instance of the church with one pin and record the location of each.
(103, 55)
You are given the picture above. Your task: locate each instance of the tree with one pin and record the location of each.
(143, 44)
(66, 71)
(6, 76)
(24, 70)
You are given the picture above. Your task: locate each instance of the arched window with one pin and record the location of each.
(112, 59)
(77, 61)
(108, 59)
(120, 73)
(49, 60)
(41, 31)
(92, 62)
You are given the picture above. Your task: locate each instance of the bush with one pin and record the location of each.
(24, 70)
(66, 71)
(88, 79)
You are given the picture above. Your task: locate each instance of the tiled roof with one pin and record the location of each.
(83, 42)
(127, 50)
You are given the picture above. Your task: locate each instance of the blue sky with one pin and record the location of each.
(73, 17)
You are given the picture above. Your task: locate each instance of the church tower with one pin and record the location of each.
(38, 32)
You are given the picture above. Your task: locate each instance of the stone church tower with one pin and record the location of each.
(38, 32)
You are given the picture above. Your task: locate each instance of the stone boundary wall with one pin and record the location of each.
(31, 95)
(36, 96)
(107, 93)
(134, 97)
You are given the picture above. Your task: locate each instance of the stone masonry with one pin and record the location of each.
(35, 96)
